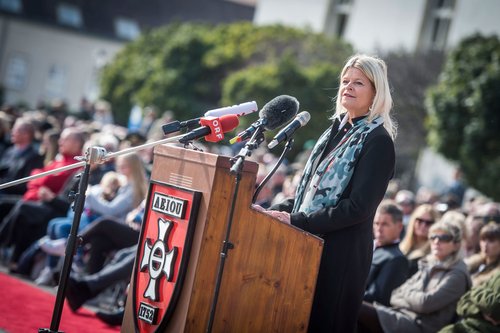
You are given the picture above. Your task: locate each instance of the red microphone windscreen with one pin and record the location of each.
(229, 122)
(219, 126)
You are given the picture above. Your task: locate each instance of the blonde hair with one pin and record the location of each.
(457, 218)
(409, 241)
(137, 176)
(375, 70)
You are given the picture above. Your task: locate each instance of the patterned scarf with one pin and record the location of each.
(324, 186)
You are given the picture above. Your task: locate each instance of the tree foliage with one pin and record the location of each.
(465, 112)
(190, 67)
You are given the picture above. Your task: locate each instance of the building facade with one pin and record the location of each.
(55, 49)
(382, 25)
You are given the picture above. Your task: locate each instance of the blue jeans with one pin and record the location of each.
(60, 227)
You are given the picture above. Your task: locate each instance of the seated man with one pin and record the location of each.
(27, 220)
(389, 267)
(20, 159)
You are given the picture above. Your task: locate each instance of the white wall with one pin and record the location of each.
(384, 24)
(296, 13)
(42, 47)
(473, 16)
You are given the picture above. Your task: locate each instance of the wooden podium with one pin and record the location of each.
(269, 275)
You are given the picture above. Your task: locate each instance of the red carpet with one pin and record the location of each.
(25, 308)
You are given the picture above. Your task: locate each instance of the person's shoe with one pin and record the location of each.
(54, 247)
(77, 293)
(46, 277)
(111, 318)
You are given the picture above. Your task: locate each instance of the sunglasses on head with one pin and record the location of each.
(427, 222)
(442, 238)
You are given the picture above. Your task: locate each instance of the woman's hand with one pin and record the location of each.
(259, 208)
(45, 194)
(282, 216)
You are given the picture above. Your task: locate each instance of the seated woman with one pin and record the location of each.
(486, 263)
(426, 302)
(59, 228)
(129, 195)
(415, 244)
(98, 204)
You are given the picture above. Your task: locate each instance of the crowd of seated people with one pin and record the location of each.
(454, 264)
(424, 242)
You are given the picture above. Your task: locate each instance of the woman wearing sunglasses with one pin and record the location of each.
(415, 243)
(426, 302)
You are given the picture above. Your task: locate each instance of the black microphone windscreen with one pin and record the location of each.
(279, 111)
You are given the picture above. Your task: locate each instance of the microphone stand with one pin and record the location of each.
(92, 155)
(70, 248)
(288, 147)
(256, 139)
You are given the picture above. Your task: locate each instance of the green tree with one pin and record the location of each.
(314, 86)
(464, 111)
(184, 67)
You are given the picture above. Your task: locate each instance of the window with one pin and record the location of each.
(56, 81)
(14, 6)
(127, 28)
(436, 24)
(69, 15)
(338, 17)
(16, 73)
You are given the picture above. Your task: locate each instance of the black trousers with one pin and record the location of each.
(119, 269)
(26, 223)
(105, 236)
(368, 321)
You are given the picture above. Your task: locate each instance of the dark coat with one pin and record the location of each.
(388, 271)
(15, 165)
(348, 236)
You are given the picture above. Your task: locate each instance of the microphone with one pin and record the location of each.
(212, 129)
(239, 110)
(275, 113)
(286, 133)
(176, 125)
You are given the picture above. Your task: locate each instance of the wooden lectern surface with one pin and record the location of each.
(269, 276)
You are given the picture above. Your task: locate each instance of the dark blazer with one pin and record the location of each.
(388, 271)
(347, 230)
(14, 166)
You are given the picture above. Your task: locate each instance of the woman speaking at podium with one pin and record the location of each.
(343, 182)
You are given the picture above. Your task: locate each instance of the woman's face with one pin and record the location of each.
(490, 248)
(422, 224)
(442, 244)
(356, 92)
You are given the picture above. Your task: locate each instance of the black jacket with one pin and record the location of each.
(14, 166)
(347, 230)
(388, 271)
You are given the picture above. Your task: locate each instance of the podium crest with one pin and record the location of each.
(163, 253)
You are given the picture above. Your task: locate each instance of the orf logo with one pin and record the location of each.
(162, 254)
